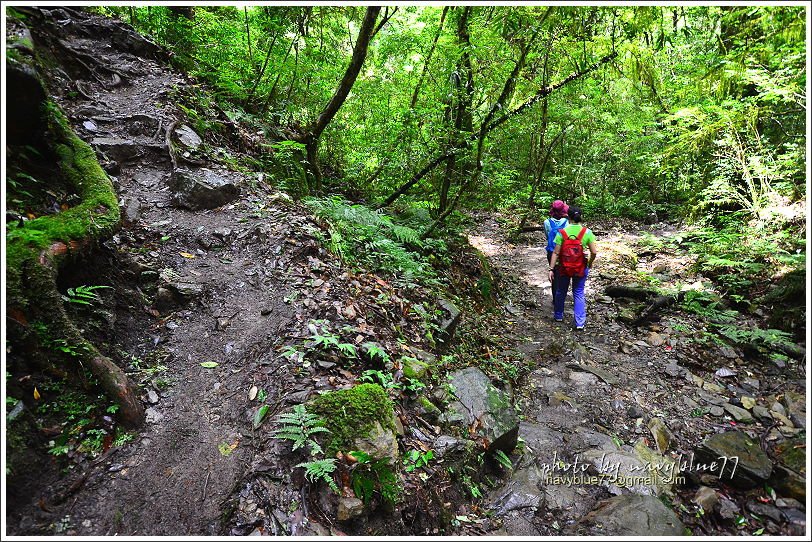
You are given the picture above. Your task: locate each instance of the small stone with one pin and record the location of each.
(728, 509)
(764, 509)
(779, 408)
(655, 339)
(662, 435)
(265, 312)
(783, 420)
(739, 414)
(188, 137)
(153, 415)
(748, 402)
(713, 388)
(348, 508)
(635, 411)
(761, 413)
(690, 403)
(786, 502)
(706, 497)
(752, 383)
(717, 411)
(672, 369)
(152, 397)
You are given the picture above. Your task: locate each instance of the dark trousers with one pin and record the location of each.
(554, 285)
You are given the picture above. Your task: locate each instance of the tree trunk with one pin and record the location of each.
(313, 132)
(428, 59)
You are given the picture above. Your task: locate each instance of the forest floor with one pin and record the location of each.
(233, 285)
(598, 390)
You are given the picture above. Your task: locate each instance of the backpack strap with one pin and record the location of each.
(581, 233)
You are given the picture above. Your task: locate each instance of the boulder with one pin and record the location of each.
(717, 455)
(631, 515)
(523, 491)
(359, 418)
(478, 400)
(202, 189)
(123, 150)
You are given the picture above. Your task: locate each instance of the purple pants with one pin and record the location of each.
(578, 297)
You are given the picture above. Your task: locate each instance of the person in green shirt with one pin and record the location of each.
(578, 283)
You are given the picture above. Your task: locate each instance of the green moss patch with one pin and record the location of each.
(96, 217)
(350, 414)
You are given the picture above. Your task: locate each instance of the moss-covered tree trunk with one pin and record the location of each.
(37, 250)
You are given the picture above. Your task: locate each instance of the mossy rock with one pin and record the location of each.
(362, 417)
(414, 368)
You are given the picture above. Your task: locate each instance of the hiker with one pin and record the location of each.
(557, 220)
(570, 257)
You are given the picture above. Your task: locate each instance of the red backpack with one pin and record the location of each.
(571, 256)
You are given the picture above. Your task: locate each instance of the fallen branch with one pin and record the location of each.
(659, 303)
(631, 292)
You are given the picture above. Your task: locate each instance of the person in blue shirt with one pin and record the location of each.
(558, 219)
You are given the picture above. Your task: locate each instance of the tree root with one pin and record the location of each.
(37, 251)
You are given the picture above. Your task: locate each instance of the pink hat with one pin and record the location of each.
(559, 209)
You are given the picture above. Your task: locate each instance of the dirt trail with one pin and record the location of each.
(221, 276)
(596, 392)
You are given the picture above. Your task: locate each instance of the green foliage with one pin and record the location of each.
(370, 475)
(83, 295)
(374, 376)
(320, 470)
(352, 413)
(415, 459)
(503, 459)
(300, 426)
(359, 235)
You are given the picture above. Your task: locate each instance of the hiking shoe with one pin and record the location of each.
(558, 319)
(579, 328)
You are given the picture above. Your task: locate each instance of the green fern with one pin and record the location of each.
(299, 427)
(360, 235)
(320, 469)
(83, 295)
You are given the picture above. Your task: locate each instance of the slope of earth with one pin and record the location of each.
(616, 399)
(209, 285)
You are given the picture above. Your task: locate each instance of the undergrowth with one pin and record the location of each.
(381, 243)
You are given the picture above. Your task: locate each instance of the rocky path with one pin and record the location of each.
(616, 400)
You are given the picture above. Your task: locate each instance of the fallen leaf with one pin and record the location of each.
(36, 394)
(252, 393)
(260, 414)
(187, 255)
(209, 364)
(226, 448)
